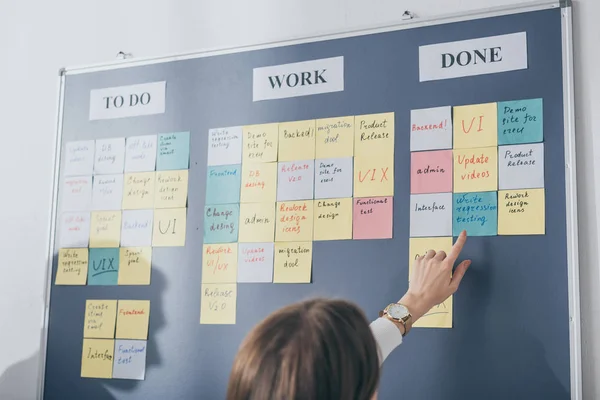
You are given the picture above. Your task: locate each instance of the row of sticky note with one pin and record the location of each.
(162, 152)
(130, 228)
(479, 125)
(113, 266)
(105, 320)
(482, 169)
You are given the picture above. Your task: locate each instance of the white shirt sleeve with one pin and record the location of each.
(387, 335)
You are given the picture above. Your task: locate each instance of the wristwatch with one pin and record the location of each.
(396, 312)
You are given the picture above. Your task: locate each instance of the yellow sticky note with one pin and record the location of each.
(171, 189)
(333, 219)
(476, 170)
(475, 126)
(420, 246)
(439, 316)
(135, 265)
(97, 358)
(297, 140)
(294, 221)
(292, 262)
(374, 176)
(100, 317)
(260, 143)
(259, 183)
(169, 227)
(257, 222)
(138, 191)
(335, 137)
(133, 317)
(72, 267)
(219, 263)
(522, 212)
(374, 135)
(105, 229)
(218, 303)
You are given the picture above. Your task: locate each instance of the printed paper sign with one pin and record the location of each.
(135, 265)
(520, 121)
(107, 192)
(292, 262)
(333, 219)
(297, 140)
(138, 191)
(373, 218)
(374, 135)
(374, 176)
(105, 229)
(103, 269)
(259, 183)
(260, 143)
(479, 56)
(295, 180)
(431, 129)
(97, 358)
(77, 193)
(304, 78)
(130, 359)
(335, 137)
(110, 156)
(521, 166)
(476, 170)
(294, 221)
(100, 319)
(128, 101)
(475, 126)
(431, 172)
(477, 213)
(255, 262)
(257, 222)
(72, 267)
(173, 151)
(171, 189)
(140, 153)
(431, 215)
(333, 178)
(225, 146)
(136, 230)
(221, 223)
(219, 263)
(74, 229)
(522, 212)
(79, 158)
(223, 184)
(169, 227)
(132, 319)
(218, 303)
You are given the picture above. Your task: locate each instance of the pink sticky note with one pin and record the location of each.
(373, 218)
(431, 172)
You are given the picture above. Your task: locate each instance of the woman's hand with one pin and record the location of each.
(432, 281)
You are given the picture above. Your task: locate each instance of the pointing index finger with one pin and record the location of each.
(457, 248)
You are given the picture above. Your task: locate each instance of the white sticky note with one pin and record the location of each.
(110, 156)
(295, 180)
(431, 215)
(225, 146)
(521, 166)
(140, 153)
(136, 228)
(333, 178)
(74, 230)
(431, 129)
(255, 262)
(107, 192)
(79, 158)
(129, 359)
(76, 193)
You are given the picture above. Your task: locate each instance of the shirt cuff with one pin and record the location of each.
(387, 335)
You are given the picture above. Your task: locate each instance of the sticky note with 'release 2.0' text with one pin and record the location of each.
(218, 303)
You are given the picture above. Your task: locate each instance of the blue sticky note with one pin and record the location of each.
(520, 121)
(173, 151)
(223, 184)
(477, 213)
(221, 223)
(103, 267)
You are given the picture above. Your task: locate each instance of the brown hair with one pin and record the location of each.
(314, 350)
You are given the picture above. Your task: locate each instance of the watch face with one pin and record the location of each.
(398, 311)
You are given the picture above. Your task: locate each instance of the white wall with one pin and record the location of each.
(39, 37)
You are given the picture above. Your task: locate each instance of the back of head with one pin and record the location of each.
(313, 350)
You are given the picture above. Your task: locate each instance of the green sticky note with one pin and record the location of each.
(477, 213)
(520, 121)
(223, 184)
(173, 151)
(103, 267)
